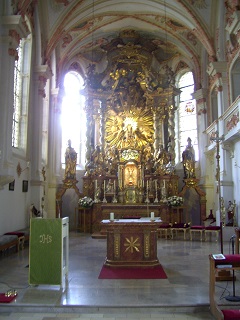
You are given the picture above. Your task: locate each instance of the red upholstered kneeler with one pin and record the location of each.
(197, 229)
(166, 229)
(231, 314)
(212, 229)
(181, 227)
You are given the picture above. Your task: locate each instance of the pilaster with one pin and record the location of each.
(41, 76)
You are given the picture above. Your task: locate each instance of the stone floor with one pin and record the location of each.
(184, 295)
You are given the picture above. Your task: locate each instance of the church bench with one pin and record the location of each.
(232, 262)
(20, 236)
(8, 241)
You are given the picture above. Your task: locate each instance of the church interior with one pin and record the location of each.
(120, 110)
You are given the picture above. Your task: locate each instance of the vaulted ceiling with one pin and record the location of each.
(83, 30)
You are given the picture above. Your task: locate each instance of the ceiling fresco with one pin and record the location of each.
(82, 31)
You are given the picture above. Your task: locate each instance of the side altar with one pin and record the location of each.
(131, 242)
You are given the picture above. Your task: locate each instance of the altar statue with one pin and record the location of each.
(161, 161)
(98, 160)
(188, 160)
(230, 214)
(70, 162)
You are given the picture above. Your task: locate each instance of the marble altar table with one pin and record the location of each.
(132, 242)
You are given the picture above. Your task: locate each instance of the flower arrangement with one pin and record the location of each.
(85, 202)
(174, 201)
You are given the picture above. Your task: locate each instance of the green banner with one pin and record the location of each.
(45, 251)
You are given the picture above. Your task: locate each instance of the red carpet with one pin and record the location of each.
(132, 273)
(4, 299)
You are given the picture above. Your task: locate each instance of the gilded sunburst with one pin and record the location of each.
(129, 129)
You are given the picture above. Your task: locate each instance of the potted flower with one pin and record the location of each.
(174, 201)
(85, 202)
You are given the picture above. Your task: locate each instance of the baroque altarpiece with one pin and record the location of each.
(130, 147)
(130, 126)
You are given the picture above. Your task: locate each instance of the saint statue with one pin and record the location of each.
(188, 160)
(162, 159)
(70, 162)
(98, 160)
(230, 214)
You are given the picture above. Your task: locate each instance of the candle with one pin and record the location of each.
(147, 184)
(152, 215)
(156, 184)
(114, 185)
(111, 216)
(95, 184)
(104, 185)
(163, 183)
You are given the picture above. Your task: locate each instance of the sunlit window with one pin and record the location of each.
(21, 94)
(73, 117)
(17, 97)
(187, 114)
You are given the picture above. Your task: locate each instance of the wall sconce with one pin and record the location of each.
(19, 168)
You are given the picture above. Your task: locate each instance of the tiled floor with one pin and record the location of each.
(184, 295)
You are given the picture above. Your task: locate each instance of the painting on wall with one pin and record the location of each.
(11, 185)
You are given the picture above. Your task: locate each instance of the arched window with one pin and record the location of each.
(187, 124)
(21, 94)
(73, 117)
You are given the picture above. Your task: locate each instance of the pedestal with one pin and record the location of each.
(83, 219)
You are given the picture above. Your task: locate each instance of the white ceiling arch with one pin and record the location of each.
(77, 30)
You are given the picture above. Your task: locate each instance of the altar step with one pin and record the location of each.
(114, 313)
(99, 235)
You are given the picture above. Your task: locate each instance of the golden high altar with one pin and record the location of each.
(130, 145)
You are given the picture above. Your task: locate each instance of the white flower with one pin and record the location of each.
(175, 201)
(85, 202)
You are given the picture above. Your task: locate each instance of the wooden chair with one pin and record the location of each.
(217, 312)
(197, 229)
(185, 227)
(212, 229)
(165, 228)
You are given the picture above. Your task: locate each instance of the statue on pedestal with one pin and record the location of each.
(70, 162)
(188, 160)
